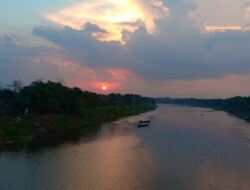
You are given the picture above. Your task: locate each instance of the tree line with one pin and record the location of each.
(239, 106)
(55, 98)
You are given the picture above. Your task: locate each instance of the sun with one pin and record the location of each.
(104, 88)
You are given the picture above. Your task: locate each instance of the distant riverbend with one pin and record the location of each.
(238, 106)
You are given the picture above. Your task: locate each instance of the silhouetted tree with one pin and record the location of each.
(53, 97)
(16, 85)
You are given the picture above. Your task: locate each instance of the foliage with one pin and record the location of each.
(51, 113)
(19, 130)
(239, 106)
(51, 97)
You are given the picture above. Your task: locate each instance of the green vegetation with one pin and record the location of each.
(50, 113)
(238, 106)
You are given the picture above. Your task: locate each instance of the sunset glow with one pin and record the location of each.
(222, 28)
(104, 88)
(147, 47)
(113, 16)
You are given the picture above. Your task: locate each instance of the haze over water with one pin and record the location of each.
(185, 148)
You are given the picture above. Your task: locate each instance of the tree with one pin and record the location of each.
(16, 85)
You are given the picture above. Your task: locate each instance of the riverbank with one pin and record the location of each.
(34, 131)
(237, 106)
(50, 113)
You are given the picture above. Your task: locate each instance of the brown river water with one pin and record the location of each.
(185, 148)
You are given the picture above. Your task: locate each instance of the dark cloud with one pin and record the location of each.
(194, 55)
(89, 27)
(18, 61)
(79, 45)
(8, 40)
(180, 49)
(175, 53)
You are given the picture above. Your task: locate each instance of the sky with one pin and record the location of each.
(159, 48)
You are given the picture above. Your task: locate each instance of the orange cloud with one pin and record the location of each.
(118, 74)
(222, 28)
(112, 15)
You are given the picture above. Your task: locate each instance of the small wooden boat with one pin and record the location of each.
(146, 121)
(143, 123)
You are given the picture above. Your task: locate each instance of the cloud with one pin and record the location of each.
(16, 61)
(92, 28)
(223, 87)
(112, 15)
(83, 47)
(222, 12)
(222, 28)
(181, 51)
(222, 15)
(8, 40)
(32, 63)
(166, 56)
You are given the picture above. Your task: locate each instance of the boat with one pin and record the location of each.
(143, 123)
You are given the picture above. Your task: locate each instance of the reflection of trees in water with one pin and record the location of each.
(73, 137)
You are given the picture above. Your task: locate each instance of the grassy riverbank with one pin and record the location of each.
(45, 114)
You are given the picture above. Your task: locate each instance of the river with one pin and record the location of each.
(185, 148)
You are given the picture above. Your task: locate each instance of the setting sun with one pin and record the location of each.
(104, 88)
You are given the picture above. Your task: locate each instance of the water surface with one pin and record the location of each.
(185, 148)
